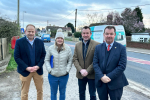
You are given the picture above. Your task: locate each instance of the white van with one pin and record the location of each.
(97, 33)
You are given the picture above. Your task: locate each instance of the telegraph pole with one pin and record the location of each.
(47, 27)
(23, 18)
(47, 22)
(75, 19)
(18, 14)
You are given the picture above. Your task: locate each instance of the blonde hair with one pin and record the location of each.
(63, 45)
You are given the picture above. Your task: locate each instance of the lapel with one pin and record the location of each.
(25, 44)
(89, 47)
(36, 47)
(80, 49)
(103, 52)
(113, 50)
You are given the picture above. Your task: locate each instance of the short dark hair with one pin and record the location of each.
(29, 25)
(110, 27)
(86, 27)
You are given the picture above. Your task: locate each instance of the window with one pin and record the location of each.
(46, 35)
(141, 40)
(145, 39)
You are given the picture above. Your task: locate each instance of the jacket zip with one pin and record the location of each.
(58, 60)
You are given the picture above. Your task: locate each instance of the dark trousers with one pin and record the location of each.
(103, 92)
(82, 88)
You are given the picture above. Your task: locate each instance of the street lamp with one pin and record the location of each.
(23, 18)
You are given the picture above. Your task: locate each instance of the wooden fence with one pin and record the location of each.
(4, 49)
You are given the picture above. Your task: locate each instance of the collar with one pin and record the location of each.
(56, 47)
(86, 42)
(110, 44)
(29, 40)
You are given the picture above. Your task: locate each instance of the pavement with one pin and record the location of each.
(133, 91)
(72, 89)
(139, 50)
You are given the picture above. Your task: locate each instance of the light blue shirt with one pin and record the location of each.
(31, 42)
(85, 42)
(110, 45)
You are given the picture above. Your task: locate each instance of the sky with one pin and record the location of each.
(60, 12)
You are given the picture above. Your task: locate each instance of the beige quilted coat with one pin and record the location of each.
(62, 61)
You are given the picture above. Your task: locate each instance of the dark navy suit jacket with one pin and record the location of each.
(114, 68)
(22, 55)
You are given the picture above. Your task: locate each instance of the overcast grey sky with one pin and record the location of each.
(60, 12)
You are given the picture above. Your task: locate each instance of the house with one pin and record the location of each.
(65, 30)
(140, 37)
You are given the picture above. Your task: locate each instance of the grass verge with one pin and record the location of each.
(12, 65)
(68, 39)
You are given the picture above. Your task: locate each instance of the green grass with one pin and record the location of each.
(68, 39)
(12, 65)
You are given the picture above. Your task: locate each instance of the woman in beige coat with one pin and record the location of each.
(62, 62)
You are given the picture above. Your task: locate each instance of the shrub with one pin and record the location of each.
(53, 33)
(8, 29)
(77, 34)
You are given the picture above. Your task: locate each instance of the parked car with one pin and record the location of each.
(46, 37)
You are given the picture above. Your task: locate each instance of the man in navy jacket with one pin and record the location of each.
(29, 54)
(109, 63)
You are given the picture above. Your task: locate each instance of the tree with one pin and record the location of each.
(130, 23)
(71, 26)
(113, 18)
(53, 33)
(117, 19)
(8, 29)
(95, 18)
(38, 29)
(129, 19)
(110, 18)
(139, 14)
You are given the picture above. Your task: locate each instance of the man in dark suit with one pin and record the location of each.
(29, 54)
(83, 61)
(109, 63)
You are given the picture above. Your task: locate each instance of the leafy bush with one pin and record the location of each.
(53, 33)
(77, 34)
(8, 29)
